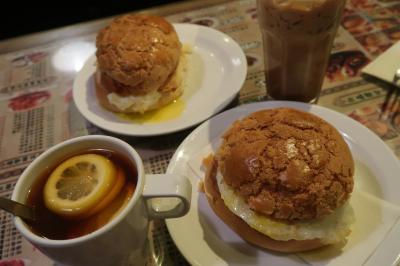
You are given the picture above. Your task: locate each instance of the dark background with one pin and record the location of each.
(20, 20)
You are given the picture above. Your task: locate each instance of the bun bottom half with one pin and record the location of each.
(240, 227)
(102, 92)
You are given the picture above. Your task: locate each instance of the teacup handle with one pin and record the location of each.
(167, 186)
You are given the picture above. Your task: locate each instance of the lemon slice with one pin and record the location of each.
(111, 195)
(106, 215)
(79, 184)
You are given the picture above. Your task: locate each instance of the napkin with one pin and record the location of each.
(374, 237)
(385, 65)
(375, 219)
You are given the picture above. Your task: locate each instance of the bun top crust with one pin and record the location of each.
(287, 164)
(139, 51)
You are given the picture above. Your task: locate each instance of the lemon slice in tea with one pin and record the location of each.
(103, 217)
(79, 184)
(111, 195)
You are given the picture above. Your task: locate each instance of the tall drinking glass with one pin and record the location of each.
(297, 37)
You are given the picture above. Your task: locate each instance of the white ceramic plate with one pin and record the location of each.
(217, 70)
(204, 240)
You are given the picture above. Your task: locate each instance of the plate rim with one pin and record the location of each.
(246, 109)
(83, 77)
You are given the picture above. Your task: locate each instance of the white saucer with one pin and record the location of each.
(217, 70)
(205, 240)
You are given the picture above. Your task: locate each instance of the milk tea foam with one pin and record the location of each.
(297, 37)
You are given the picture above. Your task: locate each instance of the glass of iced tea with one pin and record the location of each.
(92, 197)
(297, 40)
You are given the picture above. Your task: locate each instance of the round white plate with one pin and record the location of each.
(205, 240)
(217, 69)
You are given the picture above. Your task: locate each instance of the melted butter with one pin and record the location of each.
(168, 112)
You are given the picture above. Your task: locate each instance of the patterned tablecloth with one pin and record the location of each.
(37, 111)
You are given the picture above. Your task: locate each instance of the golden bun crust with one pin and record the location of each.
(240, 227)
(139, 51)
(287, 164)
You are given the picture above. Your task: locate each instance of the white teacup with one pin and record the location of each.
(122, 241)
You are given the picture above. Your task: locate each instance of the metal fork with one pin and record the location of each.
(391, 105)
